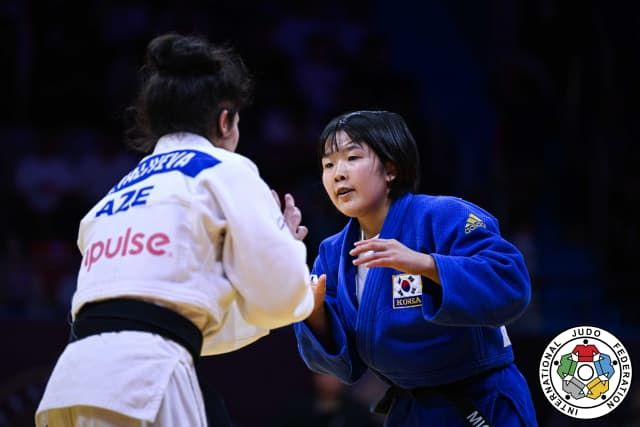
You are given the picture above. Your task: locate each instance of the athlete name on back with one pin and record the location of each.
(188, 162)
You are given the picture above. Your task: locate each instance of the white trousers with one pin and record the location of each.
(181, 405)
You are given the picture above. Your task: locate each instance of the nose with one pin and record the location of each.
(340, 173)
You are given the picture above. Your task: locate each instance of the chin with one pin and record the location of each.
(351, 213)
(350, 208)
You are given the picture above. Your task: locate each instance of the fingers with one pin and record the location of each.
(375, 259)
(318, 319)
(291, 211)
(319, 289)
(288, 201)
(292, 215)
(301, 232)
(322, 283)
(374, 241)
(318, 283)
(369, 245)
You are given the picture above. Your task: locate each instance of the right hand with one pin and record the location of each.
(318, 320)
(318, 317)
(319, 288)
(292, 215)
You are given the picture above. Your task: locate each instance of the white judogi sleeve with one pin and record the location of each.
(234, 333)
(261, 259)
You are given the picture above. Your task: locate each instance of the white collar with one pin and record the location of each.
(362, 235)
(181, 140)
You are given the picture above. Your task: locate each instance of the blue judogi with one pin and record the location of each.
(449, 333)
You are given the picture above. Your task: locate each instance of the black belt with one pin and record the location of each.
(456, 393)
(115, 315)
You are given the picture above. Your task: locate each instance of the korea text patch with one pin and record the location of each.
(407, 290)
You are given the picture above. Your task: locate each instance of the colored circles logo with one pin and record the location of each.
(585, 372)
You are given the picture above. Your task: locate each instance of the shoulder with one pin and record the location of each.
(232, 168)
(447, 205)
(441, 201)
(236, 179)
(233, 160)
(444, 212)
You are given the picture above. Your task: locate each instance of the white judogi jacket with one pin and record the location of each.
(194, 228)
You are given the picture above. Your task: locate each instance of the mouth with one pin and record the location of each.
(344, 192)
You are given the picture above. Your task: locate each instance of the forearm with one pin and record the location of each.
(482, 290)
(428, 268)
(318, 322)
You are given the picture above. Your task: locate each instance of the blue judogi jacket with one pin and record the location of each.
(458, 329)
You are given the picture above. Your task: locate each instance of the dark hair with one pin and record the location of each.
(388, 136)
(186, 83)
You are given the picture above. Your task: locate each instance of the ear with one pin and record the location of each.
(390, 171)
(224, 123)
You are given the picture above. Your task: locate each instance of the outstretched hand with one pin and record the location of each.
(392, 254)
(292, 215)
(318, 317)
(319, 287)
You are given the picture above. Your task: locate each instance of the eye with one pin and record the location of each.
(351, 158)
(327, 165)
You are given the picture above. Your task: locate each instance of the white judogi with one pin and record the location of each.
(195, 229)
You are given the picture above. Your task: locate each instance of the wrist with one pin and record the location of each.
(317, 320)
(429, 268)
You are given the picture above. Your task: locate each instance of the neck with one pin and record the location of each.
(367, 234)
(372, 224)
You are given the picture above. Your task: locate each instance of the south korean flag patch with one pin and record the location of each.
(407, 290)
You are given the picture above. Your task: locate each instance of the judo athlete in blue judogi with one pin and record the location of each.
(415, 288)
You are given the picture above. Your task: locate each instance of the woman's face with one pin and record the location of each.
(355, 179)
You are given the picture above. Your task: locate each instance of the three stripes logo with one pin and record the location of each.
(472, 223)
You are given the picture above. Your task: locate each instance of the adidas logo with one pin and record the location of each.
(472, 223)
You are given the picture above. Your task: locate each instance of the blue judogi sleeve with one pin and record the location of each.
(342, 360)
(483, 277)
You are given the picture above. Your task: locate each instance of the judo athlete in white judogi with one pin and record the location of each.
(187, 255)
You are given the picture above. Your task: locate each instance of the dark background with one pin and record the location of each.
(527, 108)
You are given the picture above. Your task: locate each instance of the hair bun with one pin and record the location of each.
(177, 55)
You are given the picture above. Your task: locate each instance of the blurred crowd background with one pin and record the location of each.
(527, 108)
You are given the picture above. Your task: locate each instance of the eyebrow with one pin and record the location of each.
(349, 146)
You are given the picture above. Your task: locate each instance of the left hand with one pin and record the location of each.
(392, 254)
(292, 215)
